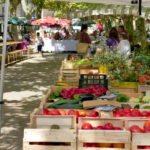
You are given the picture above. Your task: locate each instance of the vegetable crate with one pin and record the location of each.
(67, 65)
(97, 79)
(124, 90)
(46, 121)
(39, 120)
(143, 88)
(138, 139)
(89, 71)
(106, 139)
(50, 132)
(49, 139)
(69, 75)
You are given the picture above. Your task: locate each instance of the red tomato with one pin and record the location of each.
(145, 113)
(94, 114)
(71, 112)
(105, 145)
(46, 111)
(146, 147)
(63, 112)
(87, 126)
(117, 128)
(82, 113)
(147, 126)
(108, 126)
(127, 110)
(128, 115)
(136, 113)
(118, 145)
(85, 144)
(54, 112)
(99, 128)
(135, 129)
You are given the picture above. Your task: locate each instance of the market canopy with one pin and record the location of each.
(79, 22)
(115, 10)
(18, 21)
(145, 3)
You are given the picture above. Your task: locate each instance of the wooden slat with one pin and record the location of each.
(27, 146)
(49, 135)
(97, 136)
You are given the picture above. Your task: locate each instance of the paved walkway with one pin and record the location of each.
(25, 84)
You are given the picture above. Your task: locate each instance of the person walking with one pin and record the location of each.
(40, 43)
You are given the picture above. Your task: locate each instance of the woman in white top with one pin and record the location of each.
(124, 46)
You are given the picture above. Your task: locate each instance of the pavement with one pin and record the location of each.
(25, 84)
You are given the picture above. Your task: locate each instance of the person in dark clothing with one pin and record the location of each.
(84, 37)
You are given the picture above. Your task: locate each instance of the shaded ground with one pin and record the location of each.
(25, 85)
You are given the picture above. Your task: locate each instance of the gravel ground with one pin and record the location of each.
(25, 84)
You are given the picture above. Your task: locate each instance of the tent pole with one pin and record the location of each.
(140, 7)
(3, 59)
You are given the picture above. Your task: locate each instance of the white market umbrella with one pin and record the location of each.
(3, 59)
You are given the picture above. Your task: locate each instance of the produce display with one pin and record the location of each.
(77, 113)
(72, 98)
(127, 112)
(107, 126)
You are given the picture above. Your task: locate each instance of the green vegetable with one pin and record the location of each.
(70, 106)
(145, 106)
(146, 99)
(137, 106)
(59, 102)
(76, 97)
(134, 100)
(125, 106)
(122, 98)
(63, 102)
(56, 94)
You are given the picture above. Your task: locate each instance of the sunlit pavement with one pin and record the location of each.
(25, 85)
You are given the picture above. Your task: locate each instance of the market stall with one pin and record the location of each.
(59, 45)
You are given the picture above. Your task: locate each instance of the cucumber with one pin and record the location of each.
(59, 102)
(71, 106)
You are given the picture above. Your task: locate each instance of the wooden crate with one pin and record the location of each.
(69, 75)
(67, 65)
(138, 139)
(103, 136)
(56, 139)
(87, 71)
(143, 88)
(46, 121)
(124, 90)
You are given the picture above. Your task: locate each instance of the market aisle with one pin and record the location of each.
(25, 84)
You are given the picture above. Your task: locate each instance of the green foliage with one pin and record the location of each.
(140, 34)
(122, 98)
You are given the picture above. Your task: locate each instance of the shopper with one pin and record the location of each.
(113, 39)
(124, 48)
(121, 30)
(84, 37)
(40, 43)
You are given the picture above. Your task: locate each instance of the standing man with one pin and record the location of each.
(40, 43)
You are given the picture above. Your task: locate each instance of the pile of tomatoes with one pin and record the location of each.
(127, 112)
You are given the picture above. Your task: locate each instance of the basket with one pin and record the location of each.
(82, 48)
(87, 80)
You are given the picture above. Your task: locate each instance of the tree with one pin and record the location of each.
(64, 8)
(38, 5)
